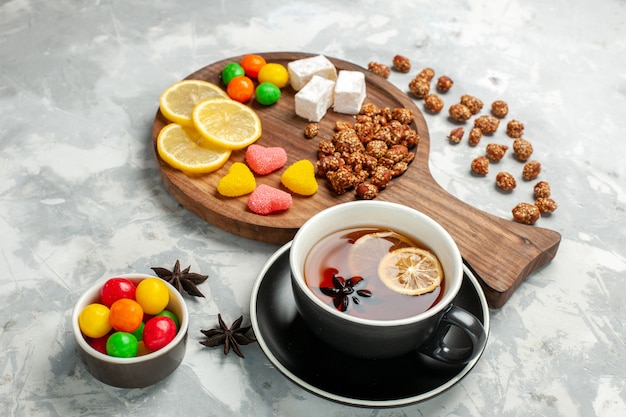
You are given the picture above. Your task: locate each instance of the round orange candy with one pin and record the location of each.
(240, 89)
(126, 315)
(252, 64)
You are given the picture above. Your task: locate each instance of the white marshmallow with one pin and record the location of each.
(349, 92)
(315, 98)
(302, 70)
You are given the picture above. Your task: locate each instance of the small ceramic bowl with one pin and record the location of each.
(140, 371)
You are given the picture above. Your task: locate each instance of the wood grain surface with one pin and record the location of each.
(502, 253)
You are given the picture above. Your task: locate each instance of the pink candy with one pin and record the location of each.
(265, 200)
(264, 160)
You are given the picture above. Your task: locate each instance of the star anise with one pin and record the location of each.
(343, 290)
(182, 280)
(231, 337)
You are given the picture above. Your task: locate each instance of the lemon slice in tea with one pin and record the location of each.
(411, 271)
(367, 250)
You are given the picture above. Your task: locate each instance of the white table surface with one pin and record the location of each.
(81, 197)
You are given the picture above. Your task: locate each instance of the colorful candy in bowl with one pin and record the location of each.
(131, 330)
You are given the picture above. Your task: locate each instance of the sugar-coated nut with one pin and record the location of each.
(315, 98)
(427, 73)
(505, 181)
(531, 170)
(401, 63)
(474, 136)
(311, 130)
(542, 189)
(487, 124)
(456, 135)
(402, 115)
(526, 213)
(433, 102)
(495, 152)
(379, 69)
(301, 71)
(474, 104)
(499, 108)
(514, 129)
(459, 112)
(419, 87)
(350, 92)
(480, 165)
(444, 83)
(546, 204)
(366, 191)
(522, 149)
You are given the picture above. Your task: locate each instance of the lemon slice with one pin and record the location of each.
(178, 100)
(365, 253)
(227, 123)
(411, 271)
(185, 149)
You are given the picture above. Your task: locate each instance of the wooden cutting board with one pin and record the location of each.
(502, 253)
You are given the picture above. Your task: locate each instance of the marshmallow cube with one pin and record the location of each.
(301, 71)
(315, 98)
(349, 92)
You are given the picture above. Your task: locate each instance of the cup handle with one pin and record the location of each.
(436, 347)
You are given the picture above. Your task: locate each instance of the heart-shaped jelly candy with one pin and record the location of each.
(239, 181)
(264, 160)
(266, 200)
(300, 178)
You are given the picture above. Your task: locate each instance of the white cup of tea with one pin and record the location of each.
(365, 282)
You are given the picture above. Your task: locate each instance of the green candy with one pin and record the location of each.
(232, 70)
(122, 345)
(267, 93)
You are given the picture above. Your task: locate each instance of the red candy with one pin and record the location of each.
(158, 332)
(115, 289)
(264, 160)
(266, 200)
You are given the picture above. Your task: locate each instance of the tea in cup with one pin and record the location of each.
(376, 279)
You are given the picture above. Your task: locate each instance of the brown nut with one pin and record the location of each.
(311, 130)
(542, 189)
(444, 83)
(526, 213)
(531, 170)
(546, 204)
(480, 165)
(474, 104)
(379, 69)
(522, 148)
(366, 191)
(515, 129)
(433, 102)
(496, 152)
(505, 181)
(487, 124)
(474, 136)
(419, 87)
(456, 135)
(401, 63)
(499, 109)
(459, 112)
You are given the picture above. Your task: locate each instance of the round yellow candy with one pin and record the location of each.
(152, 295)
(274, 73)
(94, 320)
